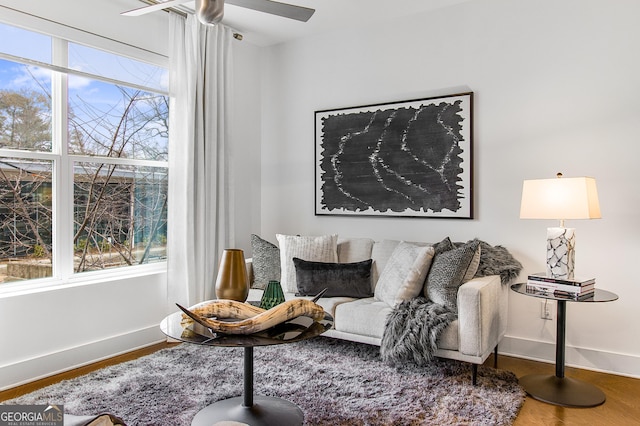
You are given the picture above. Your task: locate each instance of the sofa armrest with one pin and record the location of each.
(481, 315)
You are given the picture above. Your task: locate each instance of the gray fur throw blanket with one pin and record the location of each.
(496, 260)
(412, 330)
(413, 327)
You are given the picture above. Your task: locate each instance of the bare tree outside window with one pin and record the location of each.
(25, 120)
(119, 215)
(25, 209)
(117, 146)
(119, 211)
(133, 124)
(25, 184)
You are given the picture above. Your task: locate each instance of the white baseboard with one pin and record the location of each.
(29, 370)
(588, 359)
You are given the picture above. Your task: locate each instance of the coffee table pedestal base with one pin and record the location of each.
(562, 391)
(265, 411)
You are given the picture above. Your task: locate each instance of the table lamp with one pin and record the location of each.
(560, 198)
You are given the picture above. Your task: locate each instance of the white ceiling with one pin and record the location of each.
(263, 29)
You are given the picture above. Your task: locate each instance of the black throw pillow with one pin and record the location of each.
(340, 279)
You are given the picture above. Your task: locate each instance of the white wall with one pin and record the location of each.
(48, 330)
(556, 86)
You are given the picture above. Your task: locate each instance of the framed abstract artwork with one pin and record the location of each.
(402, 159)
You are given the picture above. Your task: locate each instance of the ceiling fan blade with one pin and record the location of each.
(290, 11)
(152, 8)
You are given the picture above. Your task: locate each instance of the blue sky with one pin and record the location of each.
(100, 96)
(103, 99)
(27, 44)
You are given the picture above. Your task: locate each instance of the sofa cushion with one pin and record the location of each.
(340, 279)
(328, 303)
(265, 262)
(318, 249)
(404, 274)
(366, 317)
(354, 249)
(448, 272)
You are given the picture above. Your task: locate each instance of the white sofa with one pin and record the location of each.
(472, 337)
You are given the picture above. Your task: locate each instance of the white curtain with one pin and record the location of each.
(200, 216)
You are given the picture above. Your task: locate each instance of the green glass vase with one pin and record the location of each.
(272, 295)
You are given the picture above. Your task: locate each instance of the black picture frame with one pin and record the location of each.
(409, 158)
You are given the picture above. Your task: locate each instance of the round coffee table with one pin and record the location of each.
(250, 409)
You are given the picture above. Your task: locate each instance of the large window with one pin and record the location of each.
(83, 158)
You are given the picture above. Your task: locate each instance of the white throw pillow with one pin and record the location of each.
(315, 249)
(404, 275)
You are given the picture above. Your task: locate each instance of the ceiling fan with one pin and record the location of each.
(210, 12)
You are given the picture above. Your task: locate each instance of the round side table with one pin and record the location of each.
(558, 389)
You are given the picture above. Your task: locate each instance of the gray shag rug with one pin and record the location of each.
(334, 382)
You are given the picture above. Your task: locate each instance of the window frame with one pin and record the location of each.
(63, 274)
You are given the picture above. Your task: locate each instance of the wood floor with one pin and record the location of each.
(621, 408)
(30, 387)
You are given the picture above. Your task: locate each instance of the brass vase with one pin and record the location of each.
(232, 282)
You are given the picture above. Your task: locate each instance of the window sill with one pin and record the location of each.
(19, 288)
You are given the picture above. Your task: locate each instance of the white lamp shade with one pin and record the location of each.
(560, 198)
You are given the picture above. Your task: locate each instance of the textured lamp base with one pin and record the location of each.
(561, 243)
(265, 411)
(562, 391)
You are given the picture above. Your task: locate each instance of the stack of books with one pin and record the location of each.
(561, 287)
